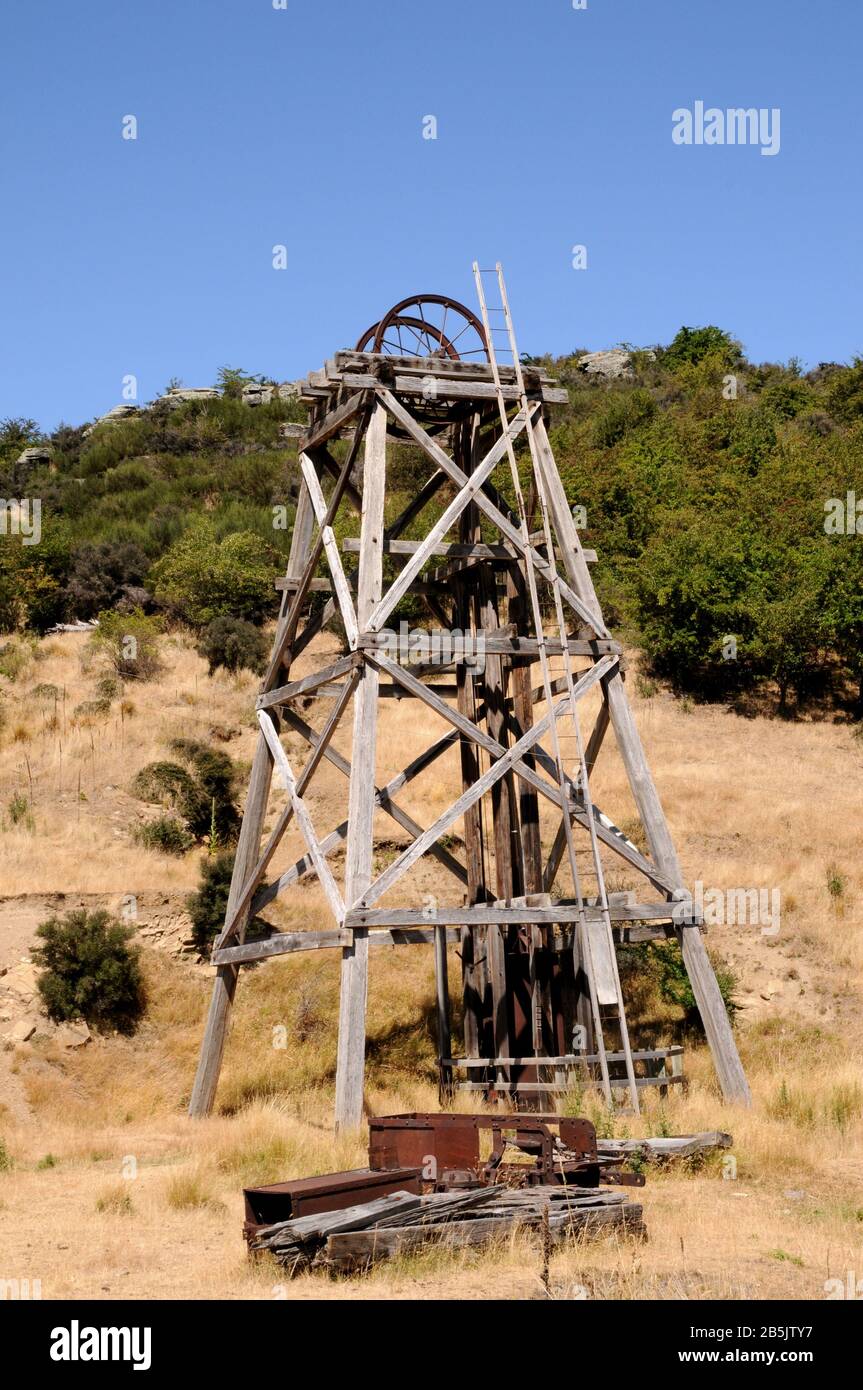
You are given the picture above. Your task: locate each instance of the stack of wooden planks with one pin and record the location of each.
(355, 1237)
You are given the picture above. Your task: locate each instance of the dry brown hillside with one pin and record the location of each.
(751, 802)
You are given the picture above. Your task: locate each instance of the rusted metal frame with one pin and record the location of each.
(318, 751)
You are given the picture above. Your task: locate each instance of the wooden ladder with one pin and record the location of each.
(595, 940)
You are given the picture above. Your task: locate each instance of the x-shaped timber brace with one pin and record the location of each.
(533, 964)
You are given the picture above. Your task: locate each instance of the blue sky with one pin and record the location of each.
(303, 127)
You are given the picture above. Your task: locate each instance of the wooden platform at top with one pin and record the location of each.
(454, 379)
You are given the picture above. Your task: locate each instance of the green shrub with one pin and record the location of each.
(99, 573)
(88, 972)
(19, 810)
(202, 794)
(202, 577)
(129, 642)
(234, 644)
(167, 834)
(691, 345)
(208, 904)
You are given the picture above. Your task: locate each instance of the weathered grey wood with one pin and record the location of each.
(248, 847)
(350, 1063)
(383, 797)
(591, 753)
(354, 1250)
(308, 684)
(501, 915)
(497, 644)
(426, 693)
(441, 388)
(448, 367)
(448, 518)
(334, 422)
(281, 944)
(505, 762)
(331, 550)
(444, 1031)
(492, 511)
(304, 820)
(320, 747)
(454, 549)
(711, 1007)
(287, 943)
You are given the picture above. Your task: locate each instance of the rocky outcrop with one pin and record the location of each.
(611, 365)
(178, 395)
(32, 457)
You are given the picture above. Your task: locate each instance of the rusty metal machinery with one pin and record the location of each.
(427, 325)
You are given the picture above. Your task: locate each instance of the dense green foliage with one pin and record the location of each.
(234, 644)
(207, 905)
(706, 481)
(136, 486)
(200, 793)
(89, 972)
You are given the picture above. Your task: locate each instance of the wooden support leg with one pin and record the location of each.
(443, 1017)
(248, 850)
(350, 1065)
(717, 1027)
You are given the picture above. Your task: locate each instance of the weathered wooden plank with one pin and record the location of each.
(448, 518)
(350, 1062)
(334, 422)
(331, 550)
(304, 820)
(492, 511)
(308, 684)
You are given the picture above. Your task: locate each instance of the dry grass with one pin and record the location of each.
(751, 803)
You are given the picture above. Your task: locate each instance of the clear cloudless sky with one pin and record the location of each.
(303, 126)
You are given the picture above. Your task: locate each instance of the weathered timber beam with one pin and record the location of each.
(294, 689)
(488, 914)
(493, 512)
(288, 943)
(334, 422)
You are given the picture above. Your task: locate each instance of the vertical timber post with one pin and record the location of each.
(350, 1065)
(248, 849)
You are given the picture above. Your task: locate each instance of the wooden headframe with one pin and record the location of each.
(537, 949)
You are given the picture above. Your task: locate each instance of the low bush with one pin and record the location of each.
(89, 972)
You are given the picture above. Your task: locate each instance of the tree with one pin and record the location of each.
(99, 573)
(203, 578)
(234, 644)
(692, 344)
(89, 972)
